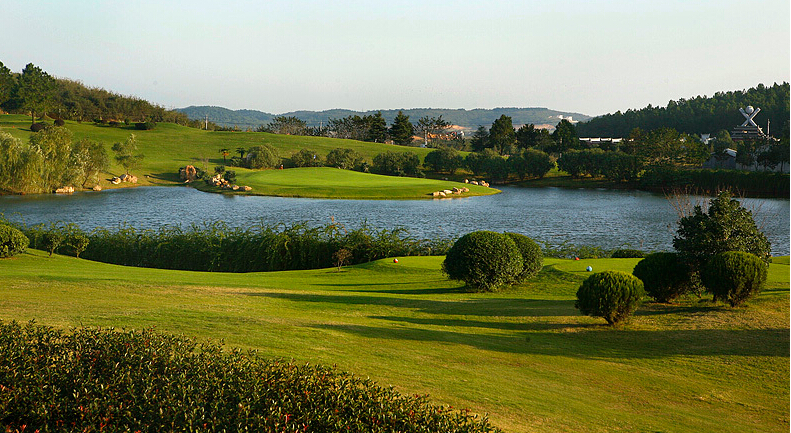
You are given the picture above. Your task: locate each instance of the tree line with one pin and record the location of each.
(35, 92)
(699, 115)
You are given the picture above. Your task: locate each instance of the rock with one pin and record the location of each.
(124, 177)
(97, 188)
(435, 194)
(442, 194)
(466, 181)
(247, 188)
(235, 187)
(465, 189)
(447, 191)
(116, 181)
(188, 173)
(132, 179)
(472, 182)
(65, 190)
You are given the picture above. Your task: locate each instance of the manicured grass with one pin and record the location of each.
(169, 147)
(327, 182)
(524, 355)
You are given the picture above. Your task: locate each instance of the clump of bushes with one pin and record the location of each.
(307, 158)
(12, 241)
(105, 380)
(734, 276)
(145, 126)
(627, 253)
(38, 126)
(532, 258)
(664, 275)
(484, 260)
(59, 122)
(613, 295)
(346, 159)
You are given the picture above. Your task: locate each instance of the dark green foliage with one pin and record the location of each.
(346, 159)
(530, 163)
(502, 137)
(725, 226)
(532, 258)
(614, 166)
(106, 380)
(59, 122)
(145, 126)
(665, 276)
(76, 240)
(402, 130)
(12, 241)
(445, 159)
(306, 158)
(263, 156)
(699, 114)
(484, 260)
(38, 126)
(287, 125)
(613, 295)
(627, 253)
(565, 137)
(220, 248)
(230, 176)
(487, 162)
(734, 276)
(397, 164)
(760, 183)
(52, 239)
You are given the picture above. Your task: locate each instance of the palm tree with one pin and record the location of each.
(224, 152)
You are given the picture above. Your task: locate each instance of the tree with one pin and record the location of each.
(54, 147)
(287, 125)
(263, 156)
(377, 128)
(667, 147)
(402, 131)
(397, 164)
(725, 226)
(225, 152)
(346, 159)
(565, 136)
(241, 151)
(530, 163)
(125, 153)
(7, 84)
(306, 158)
(480, 139)
(528, 136)
(431, 126)
(91, 158)
(35, 90)
(502, 136)
(445, 159)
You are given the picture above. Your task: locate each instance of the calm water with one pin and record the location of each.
(603, 218)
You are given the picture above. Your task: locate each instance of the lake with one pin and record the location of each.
(604, 218)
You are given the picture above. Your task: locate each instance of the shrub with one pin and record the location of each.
(627, 253)
(59, 122)
(725, 226)
(12, 241)
(613, 295)
(114, 123)
(734, 276)
(107, 380)
(230, 176)
(145, 126)
(38, 126)
(306, 158)
(532, 258)
(665, 276)
(263, 156)
(397, 164)
(53, 239)
(445, 159)
(346, 159)
(484, 260)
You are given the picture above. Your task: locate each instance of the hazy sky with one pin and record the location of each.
(592, 57)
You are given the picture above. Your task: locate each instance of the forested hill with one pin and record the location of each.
(461, 117)
(700, 115)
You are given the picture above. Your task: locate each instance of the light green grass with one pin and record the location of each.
(169, 147)
(524, 355)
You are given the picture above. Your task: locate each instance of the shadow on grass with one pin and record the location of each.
(502, 307)
(507, 326)
(596, 342)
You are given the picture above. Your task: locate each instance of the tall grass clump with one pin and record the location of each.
(106, 380)
(220, 248)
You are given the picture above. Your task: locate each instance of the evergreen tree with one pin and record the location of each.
(377, 128)
(35, 90)
(402, 130)
(502, 135)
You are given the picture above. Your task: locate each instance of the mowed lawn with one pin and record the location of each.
(525, 355)
(168, 147)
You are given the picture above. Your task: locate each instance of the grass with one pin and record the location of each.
(524, 355)
(169, 147)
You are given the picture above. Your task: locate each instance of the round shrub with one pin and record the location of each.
(734, 276)
(38, 126)
(613, 295)
(665, 276)
(145, 126)
(107, 380)
(12, 241)
(484, 260)
(59, 122)
(532, 258)
(627, 253)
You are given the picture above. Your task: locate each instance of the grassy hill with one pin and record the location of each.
(170, 146)
(524, 355)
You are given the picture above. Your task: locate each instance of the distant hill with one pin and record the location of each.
(700, 115)
(466, 118)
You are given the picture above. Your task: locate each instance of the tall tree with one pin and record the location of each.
(480, 139)
(377, 128)
(565, 136)
(7, 84)
(35, 89)
(125, 153)
(402, 130)
(502, 136)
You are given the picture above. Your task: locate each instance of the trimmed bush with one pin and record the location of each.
(665, 276)
(627, 253)
(532, 258)
(36, 127)
(12, 241)
(613, 295)
(145, 126)
(59, 122)
(734, 276)
(104, 380)
(484, 260)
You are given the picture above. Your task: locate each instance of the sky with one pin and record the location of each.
(591, 57)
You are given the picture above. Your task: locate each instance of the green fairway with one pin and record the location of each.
(169, 147)
(524, 355)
